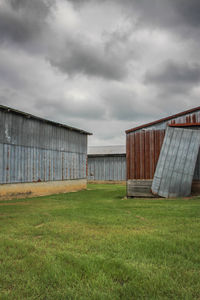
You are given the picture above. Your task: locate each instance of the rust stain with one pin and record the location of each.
(49, 168)
(7, 167)
(184, 124)
(62, 166)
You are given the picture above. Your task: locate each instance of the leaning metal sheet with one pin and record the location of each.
(176, 165)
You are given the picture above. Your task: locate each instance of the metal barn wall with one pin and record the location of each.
(143, 147)
(105, 168)
(32, 150)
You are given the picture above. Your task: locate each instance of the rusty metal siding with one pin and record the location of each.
(144, 145)
(142, 153)
(32, 150)
(105, 168)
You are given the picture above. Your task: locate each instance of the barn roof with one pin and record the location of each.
(30, 116)
(164, 119)
(107, 150)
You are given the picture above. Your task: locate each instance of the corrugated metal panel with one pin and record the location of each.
(107, 168)
(31, 150)
(30, 116)
(175, 169)
(27, 164)
(21, 131)
(144, 145)
(197, 168)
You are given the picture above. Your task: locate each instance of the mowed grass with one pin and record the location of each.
(96, 245)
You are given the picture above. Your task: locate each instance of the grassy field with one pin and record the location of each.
(96, 245)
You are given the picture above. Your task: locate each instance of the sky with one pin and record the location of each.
(102, 66)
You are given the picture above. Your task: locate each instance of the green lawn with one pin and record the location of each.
(96, 245)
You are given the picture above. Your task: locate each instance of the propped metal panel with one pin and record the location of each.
(176, 165)
(197, 169)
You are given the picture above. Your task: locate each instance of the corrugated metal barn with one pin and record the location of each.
(143, 146)
(107, 163)
(38, 156)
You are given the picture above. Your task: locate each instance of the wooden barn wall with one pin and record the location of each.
(143, 148)
(106, 168)
(34, 151)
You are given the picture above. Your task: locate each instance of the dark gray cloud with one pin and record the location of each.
(104, 65)
(174, 77)
(13, 28)
(176, 15)
(89, 59)
(188, 11)
(37, 7)
(81, 2)
(24, 21)
(21, 21)
(168, 12)
(179, 17)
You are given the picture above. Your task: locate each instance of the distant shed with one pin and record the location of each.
(107, 164)
(38, 156)
(143, 145)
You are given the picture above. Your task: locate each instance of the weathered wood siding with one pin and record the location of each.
(139, 188)
(142, 188)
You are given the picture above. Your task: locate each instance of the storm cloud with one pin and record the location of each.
(175, 77)
(103, 66)
(22, 21)
(89, 59)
